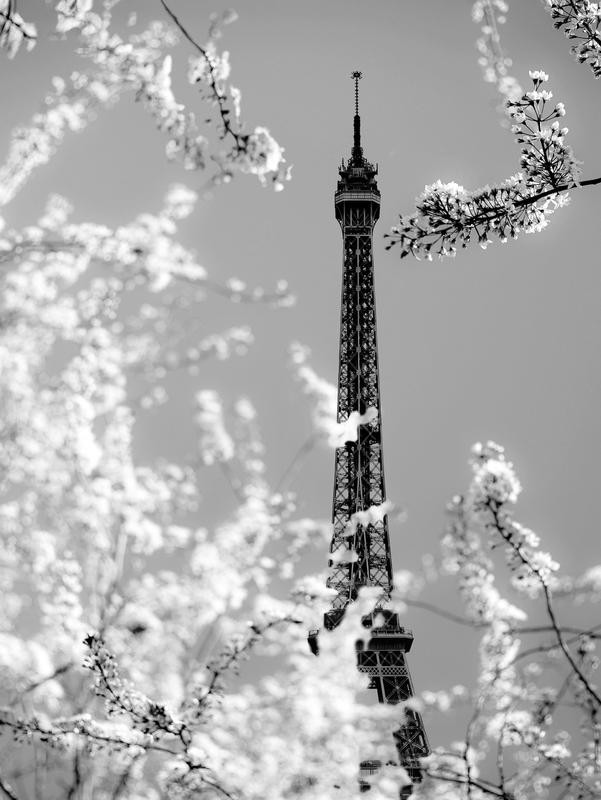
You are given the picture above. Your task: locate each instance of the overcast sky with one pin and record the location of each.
(501, 344)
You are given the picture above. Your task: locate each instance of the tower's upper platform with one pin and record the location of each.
(357, 175)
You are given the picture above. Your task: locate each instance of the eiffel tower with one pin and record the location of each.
(359, 472)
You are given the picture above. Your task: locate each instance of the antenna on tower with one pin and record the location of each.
(357, 155)
(356, 76)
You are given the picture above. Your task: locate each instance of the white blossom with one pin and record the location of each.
(495, 65)
(580, 21)
(348, 430)
(321, 392)
(448, 216)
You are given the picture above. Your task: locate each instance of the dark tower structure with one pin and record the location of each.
(359, 474)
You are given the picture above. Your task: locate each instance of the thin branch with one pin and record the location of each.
(44, 247)
(500, 756)
(8, 790)
(33, 726)
(233, 481)
(246, 295)
(444, 614)
(436, 232)
(221, 100)
(9, 21)
(76, 776)
(41, 681)
(468, 743)
(127, 706)
(301, 453)
(231, 655)
(570, 776)
(441, 612)
(484, 786)
(550, 612)
(531, 199)
(124, 779)
(565, 629)
(243, 295)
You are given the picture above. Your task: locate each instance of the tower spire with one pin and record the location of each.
(357, 154)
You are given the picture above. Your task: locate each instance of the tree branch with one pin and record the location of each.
(240, 140)
(550, 612)
(8, 21)
(440, 612)
(34, 727)
(8, 790)
(41, 681)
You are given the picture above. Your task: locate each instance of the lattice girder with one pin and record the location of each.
(359, 470)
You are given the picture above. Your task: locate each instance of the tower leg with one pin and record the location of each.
(385, 662)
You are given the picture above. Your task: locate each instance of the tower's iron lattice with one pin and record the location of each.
(359, 472)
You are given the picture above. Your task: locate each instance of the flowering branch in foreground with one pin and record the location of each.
(489, 15)
(14, 31)
(493, 490)
(448, 216)
(255, 152)
(137, 63)
(515, 711)
(121, 699)
(227, 662)
(580, 21)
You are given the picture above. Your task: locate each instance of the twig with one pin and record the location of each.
(239, 139)
(124, 778)
(8, 790)
(76, 776)
(531, 199)
(33, 726)
(485, 786)
(41, 681)
(471, 223)
(10, 21)
(551, 614)
(566, 629)
(444, 614)
(303, 451)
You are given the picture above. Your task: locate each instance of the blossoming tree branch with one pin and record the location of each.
(448, 216)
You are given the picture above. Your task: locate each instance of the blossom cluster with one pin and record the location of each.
(548, 163)
(489, 14)
(121, 699)
(95, 321)
(494, 489)
(320, 391)
(515, 709)
(465, 557)
(580, 20)
(449, 216)
(136, 63)
(348, 430)
(255, 152)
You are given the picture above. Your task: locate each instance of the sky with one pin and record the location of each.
(499, 344)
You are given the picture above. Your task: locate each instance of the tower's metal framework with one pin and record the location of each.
(359, 473)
